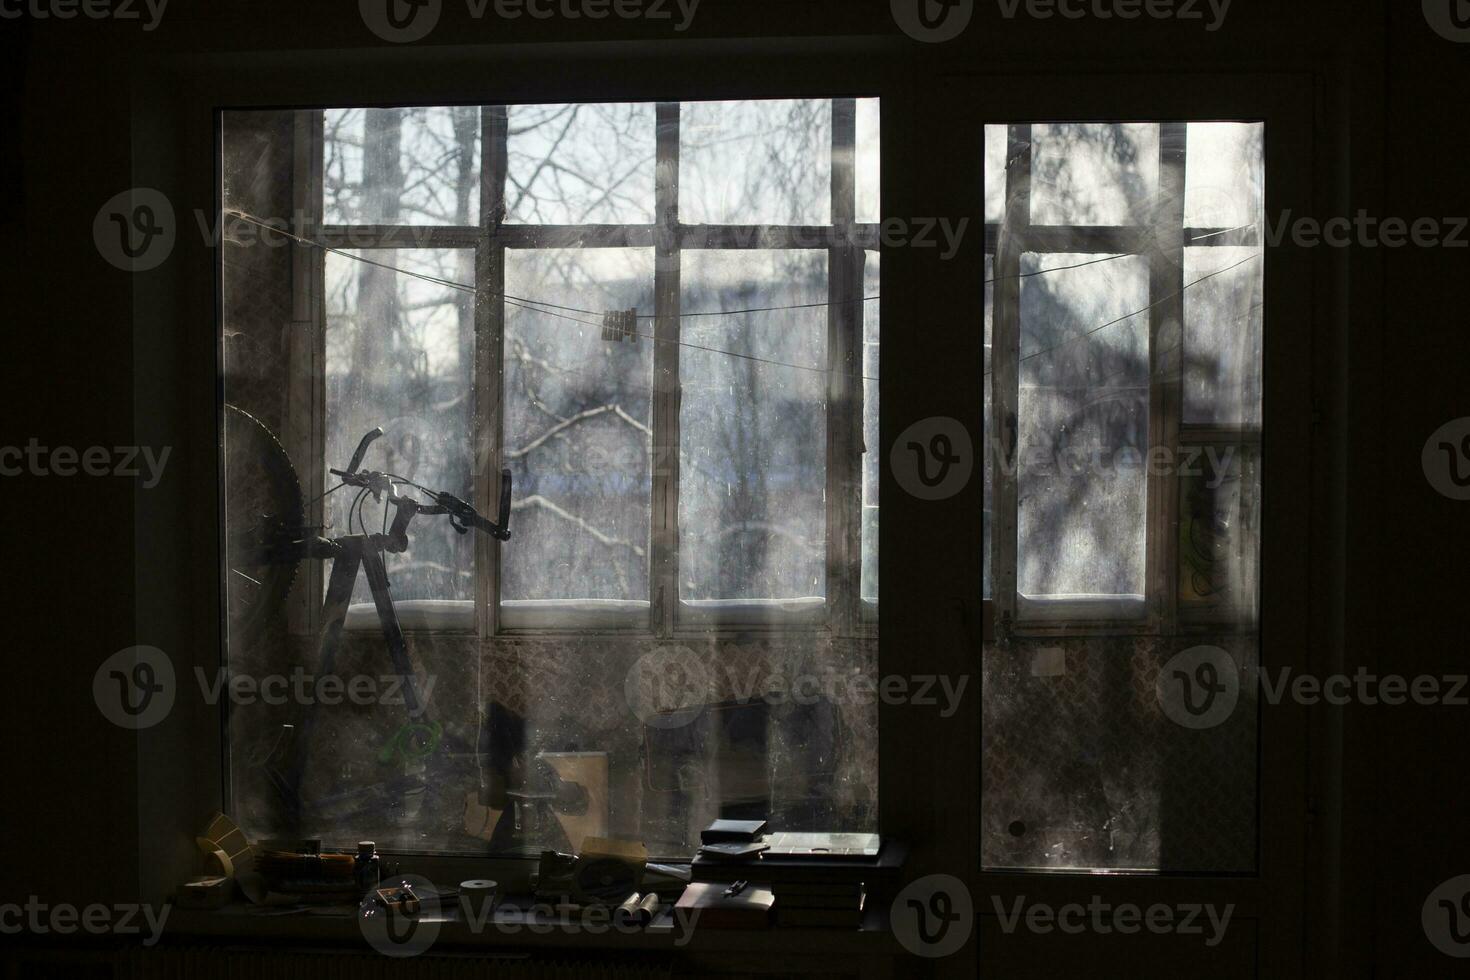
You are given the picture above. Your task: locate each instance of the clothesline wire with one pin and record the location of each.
(549, 309)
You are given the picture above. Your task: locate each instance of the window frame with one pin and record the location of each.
(847, 242)
(1297, 366)
(1163, 245)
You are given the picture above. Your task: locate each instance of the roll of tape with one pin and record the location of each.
(479, 896)
(478, 887)
(222, 864)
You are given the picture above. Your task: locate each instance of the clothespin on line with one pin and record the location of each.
(620, 325)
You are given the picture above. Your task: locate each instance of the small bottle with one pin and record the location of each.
(366, 867)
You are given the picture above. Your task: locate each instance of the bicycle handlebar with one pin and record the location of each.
(462, 515)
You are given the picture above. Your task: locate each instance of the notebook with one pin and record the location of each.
(750, 909)
(789, 844)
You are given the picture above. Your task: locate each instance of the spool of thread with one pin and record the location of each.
(477, 892)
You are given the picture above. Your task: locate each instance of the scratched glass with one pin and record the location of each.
(1107, 742)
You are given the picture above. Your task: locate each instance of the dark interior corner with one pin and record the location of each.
(444, 446)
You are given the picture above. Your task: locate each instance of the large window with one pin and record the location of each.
(1123, 328)
(660, 320)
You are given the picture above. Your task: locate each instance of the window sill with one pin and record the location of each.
(573, 614)
(805, 611)
(416, 615)
(516, 927)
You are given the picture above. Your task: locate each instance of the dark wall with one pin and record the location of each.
(86, 575)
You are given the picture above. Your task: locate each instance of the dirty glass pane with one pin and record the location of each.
(580, 164)
(1224, 184)
(1219, 532)
(411, 166)
(578, 426)
(749, 163)
(869, 162)
(400, 354)
(872, 455)
(1112, 740)
(551, 686)
(1083, 414)
(1083, 769)
(752, 484)
(1093, 173)
(995, 173)
(993, 446)
(1223, 315)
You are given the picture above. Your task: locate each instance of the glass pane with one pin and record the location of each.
(580, 164)
(995, 173)
(1135, 752)
(1224, 184)
(1093, 173)
(1083, 770)
(1223, 316)
(995, 449)
(750, 163)
(752, 487)
(412, 166)
(869, 163)
(523, 716)
(872, 455)
(1219, 532)
(401, 355)
(1083, 414)
(578, 426)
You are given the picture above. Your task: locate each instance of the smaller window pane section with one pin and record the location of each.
(1219, 532)
(578, 427)
(1224, 185)
(1083, 427)
(872, 455)
(1223, 316)
(400, 354)
(869, 163)
(1093, 173)
(754, 163)
(580, 164)
(752, 487)
(411, 166)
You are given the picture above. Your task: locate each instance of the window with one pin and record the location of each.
(1123, 395)
(658, 318)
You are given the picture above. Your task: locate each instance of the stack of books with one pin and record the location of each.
(732, 840)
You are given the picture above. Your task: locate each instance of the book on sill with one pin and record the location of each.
(742, 851)
(731, 831)
(750, 909)
(830, 870)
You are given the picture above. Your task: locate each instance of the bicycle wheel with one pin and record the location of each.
(263, 516)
